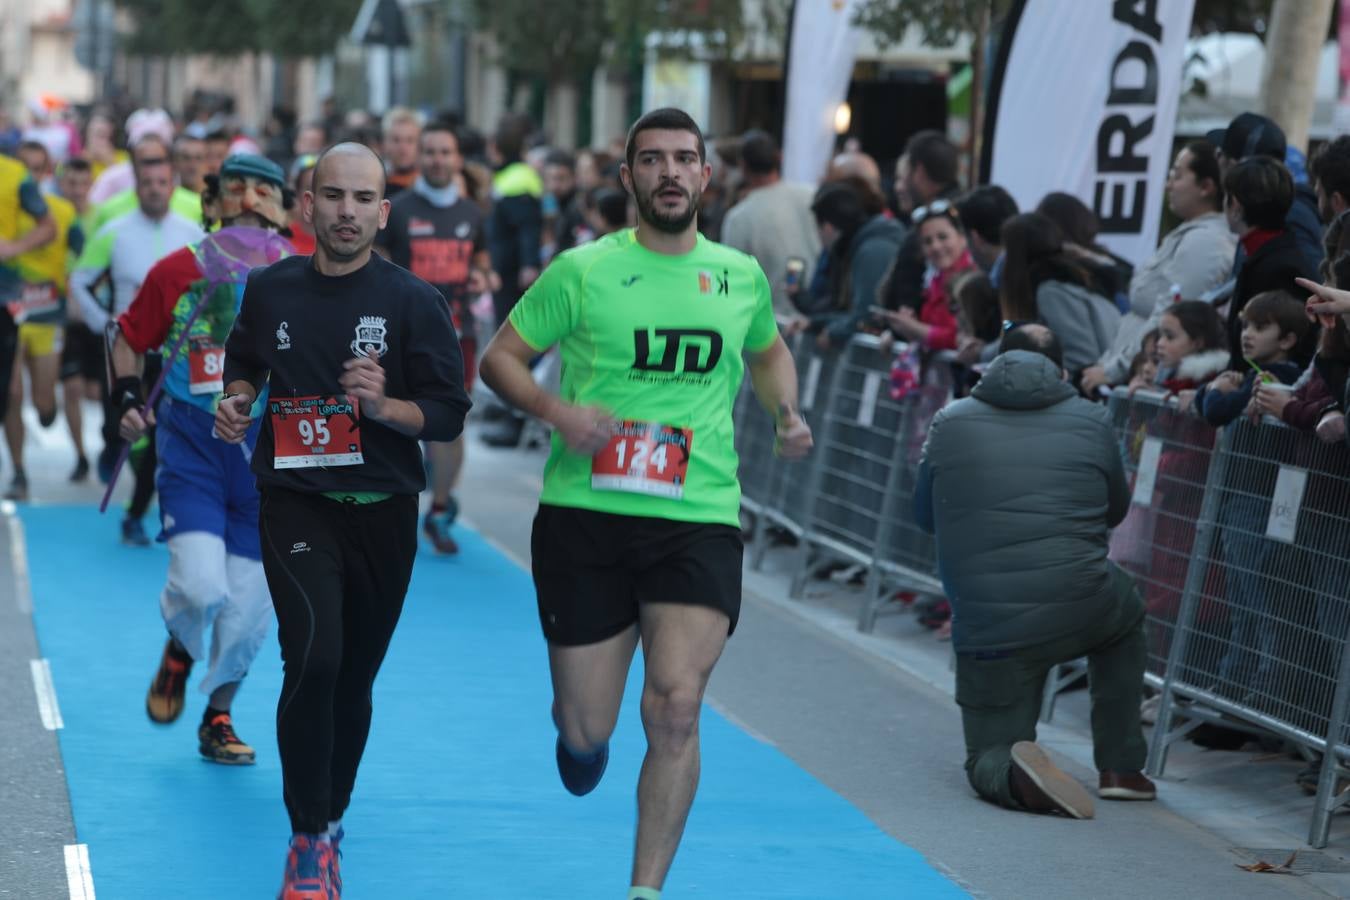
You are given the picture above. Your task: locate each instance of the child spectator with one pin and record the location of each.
(1273, 325)
(1312, 612)
(977, 315)
(1143, 372)
(1191, 348)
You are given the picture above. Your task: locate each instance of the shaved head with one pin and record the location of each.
(855, 164)
(346, 207)
(350, 153)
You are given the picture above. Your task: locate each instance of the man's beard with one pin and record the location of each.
(669, 223)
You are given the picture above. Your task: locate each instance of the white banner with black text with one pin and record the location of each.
(1083, 99)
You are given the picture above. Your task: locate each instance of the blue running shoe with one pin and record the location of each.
(133, 533)
(580, 774)
(307, 867)
(437, 526)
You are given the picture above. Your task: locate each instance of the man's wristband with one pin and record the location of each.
(126, 393)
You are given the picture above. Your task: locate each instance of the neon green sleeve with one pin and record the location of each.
(549, 310)
(97, 254)
(763, 326)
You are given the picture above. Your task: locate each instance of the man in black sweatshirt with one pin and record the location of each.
(361, 363)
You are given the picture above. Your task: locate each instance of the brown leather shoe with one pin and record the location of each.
(1126, 786)
(1041, 786)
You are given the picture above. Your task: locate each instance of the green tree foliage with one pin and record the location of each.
(940, 22)
(565, 40)
(546, 40)
(289, 28)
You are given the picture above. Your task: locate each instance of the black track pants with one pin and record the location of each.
(338, 573)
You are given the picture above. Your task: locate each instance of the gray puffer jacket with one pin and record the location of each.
(1021, 482)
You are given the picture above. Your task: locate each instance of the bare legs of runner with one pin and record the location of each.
(447, 461)
(681, 644)
(42, 374)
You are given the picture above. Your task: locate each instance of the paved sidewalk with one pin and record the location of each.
(1246, 799)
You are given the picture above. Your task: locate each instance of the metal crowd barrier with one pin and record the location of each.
(851, 502)
(1239, 540)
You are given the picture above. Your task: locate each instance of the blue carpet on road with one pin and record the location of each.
(458, 795)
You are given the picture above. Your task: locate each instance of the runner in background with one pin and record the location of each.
(302, 180)
(106, 279)
(638, 531)
(26, 224)
(39, 312)
(399, 132)
(208, 501)
(437, 234)
(82, 375)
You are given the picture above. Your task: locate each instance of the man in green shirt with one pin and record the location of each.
(637, 532)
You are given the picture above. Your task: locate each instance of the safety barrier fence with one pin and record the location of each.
(1238, 538)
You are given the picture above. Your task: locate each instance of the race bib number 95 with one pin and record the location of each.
(644, 458)
(309, 432)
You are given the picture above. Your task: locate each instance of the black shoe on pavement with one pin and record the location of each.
(1041, 786)
(1126, 786)
(580, 774)
(81, 472)
(18, 488)
(133, 533)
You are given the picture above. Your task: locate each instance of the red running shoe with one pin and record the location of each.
(307, 868)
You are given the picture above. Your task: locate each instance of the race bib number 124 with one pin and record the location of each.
(644, 458)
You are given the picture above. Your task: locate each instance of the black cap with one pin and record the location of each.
(1249, 135)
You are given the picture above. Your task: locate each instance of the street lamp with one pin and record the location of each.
(843, 118)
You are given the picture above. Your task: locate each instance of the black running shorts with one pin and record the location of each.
(82, 353)
(592, 570)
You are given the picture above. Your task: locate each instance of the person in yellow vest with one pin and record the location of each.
(25, 224)
(38, 313)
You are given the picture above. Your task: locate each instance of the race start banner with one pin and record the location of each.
(1083, 99)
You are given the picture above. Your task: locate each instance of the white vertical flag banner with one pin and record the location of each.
(1084, 99)
(824, 42)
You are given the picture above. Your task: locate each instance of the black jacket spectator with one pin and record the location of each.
(1260, 192)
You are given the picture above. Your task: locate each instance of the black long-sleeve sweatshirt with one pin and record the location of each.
(300, 326)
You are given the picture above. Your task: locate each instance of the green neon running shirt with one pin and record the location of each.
(658, 339)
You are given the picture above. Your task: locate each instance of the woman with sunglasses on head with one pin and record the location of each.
(1042, 283)
(946, 255)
